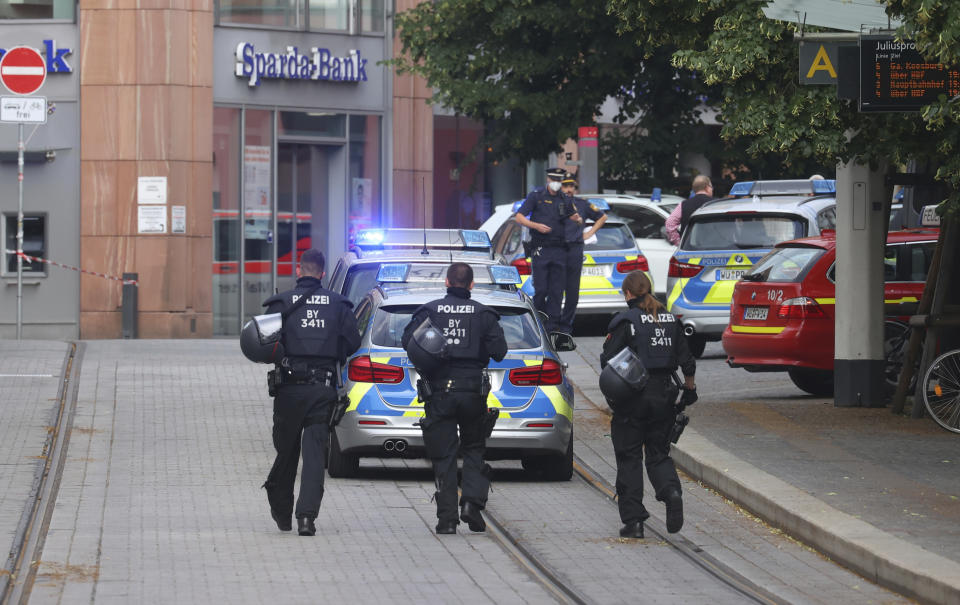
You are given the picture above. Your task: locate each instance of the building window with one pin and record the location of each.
(34, 243)
(371, 16)
(329, 14)
(313, 124)
(364, 207)
(271, 13)
(38, 9)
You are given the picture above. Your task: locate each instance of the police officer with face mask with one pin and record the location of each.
(575, 234)
(642, 420)
(454, 389)
(319, 333)
(549, 210)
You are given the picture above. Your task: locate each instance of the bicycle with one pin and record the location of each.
(941, 390)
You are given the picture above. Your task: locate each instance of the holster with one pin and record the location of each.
(272, 382)
(424, 391)
(488, 421)
(338, 409)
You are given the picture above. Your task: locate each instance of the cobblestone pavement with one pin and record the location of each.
(30, 376)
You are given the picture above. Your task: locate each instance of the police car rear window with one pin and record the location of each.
(611, 237)
(363, 278)
(784, 265)
(741, 232)
(519, 327)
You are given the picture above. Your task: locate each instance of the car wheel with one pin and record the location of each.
(815, 382)
(697, 344)
(340, 465)
(551, 468)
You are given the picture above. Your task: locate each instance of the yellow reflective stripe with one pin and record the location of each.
(588, 259)
(720, 292)
(493, 402)
(381, 359)
(896, 301)
(756, 329)
(559, 403)
(631, 257)
(599, 292)
(415, 404)
(746, 260)
(826, 301)
(594, 282)
(675, 293)
(357, 393)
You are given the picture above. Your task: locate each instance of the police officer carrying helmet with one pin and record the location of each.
(450, 341)
(549, 210)
(575, 234)
(643, 419)
(319, 333)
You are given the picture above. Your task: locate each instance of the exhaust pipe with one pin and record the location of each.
(400, 446)
(388, 445)
(688, 329)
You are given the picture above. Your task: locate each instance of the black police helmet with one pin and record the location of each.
(255, 347)
(623, 378)
(427, 348)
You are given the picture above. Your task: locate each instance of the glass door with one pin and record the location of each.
(303, 188)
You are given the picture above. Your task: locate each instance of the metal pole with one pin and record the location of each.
(20, 231)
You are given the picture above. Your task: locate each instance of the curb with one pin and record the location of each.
(879, 556)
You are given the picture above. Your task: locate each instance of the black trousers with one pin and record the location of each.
(644, 428)
(444, 413)
(300, 417)
(548, 271)
(573, 265)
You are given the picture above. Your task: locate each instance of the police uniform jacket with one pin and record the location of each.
(551, 210)
(658, 341)
(472, 331)
(323, 330)
(573, 231)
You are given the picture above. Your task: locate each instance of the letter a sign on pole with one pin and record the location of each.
(23, 71)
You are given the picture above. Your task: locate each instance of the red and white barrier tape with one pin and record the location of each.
(50, 262)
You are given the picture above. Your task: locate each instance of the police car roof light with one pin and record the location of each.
(393, 272)
(504, 275)
(516, 205)
(824, 186)
(742, 188)
(475, 238)
(369, 237)
(600, 203)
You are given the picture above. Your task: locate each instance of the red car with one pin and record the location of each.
(782, 312)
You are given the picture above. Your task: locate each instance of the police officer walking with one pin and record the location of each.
(642, 420)
(575, 234)
(450, 341)
(319, 332)
(548, 211)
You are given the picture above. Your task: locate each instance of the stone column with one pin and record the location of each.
(146, 106)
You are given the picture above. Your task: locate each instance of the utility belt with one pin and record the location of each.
(300, 372)
(428, 388)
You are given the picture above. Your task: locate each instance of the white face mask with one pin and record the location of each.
(554, 186)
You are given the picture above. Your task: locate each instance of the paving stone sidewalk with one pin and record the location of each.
(30, 373)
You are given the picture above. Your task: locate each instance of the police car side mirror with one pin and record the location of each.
(562, 341)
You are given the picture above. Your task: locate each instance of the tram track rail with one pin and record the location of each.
(21, 569)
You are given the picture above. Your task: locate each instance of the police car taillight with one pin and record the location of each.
(364, 369)
(547, 373)
(800, 308)
(522, 265)
(638, 264)
(678, 269)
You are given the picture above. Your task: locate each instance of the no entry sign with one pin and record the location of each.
(23, 70)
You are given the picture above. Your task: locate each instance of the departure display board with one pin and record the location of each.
(894, 76)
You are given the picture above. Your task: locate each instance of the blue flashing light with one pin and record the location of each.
(821, 186)
(516, 206)
(742, 188)
(505, 275)
(393, 272)
(369, 237)
(656, 196)
(899, 195)
(600, 203)
(475, 238)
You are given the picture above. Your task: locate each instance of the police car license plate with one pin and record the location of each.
(730, 274)
(755, 313)
(594, 270)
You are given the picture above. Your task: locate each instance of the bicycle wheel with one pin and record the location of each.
(941, 390)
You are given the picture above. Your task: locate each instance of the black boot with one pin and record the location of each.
(305, 526)
(447, 527)
(634, 529)
(470, 514)
(284, 523)
(674, 502)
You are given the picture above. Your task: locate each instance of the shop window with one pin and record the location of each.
(371, 16)
(38, 9)
(365, 168)
(34, 243)
(271, 13)
(313, 124)
(329, 14)
(226, 220)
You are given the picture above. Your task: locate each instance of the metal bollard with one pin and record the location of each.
(128, 306)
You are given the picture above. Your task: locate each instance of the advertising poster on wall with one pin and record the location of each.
(256, 191)
(361, 204)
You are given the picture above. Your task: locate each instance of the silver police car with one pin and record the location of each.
(529, 385)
